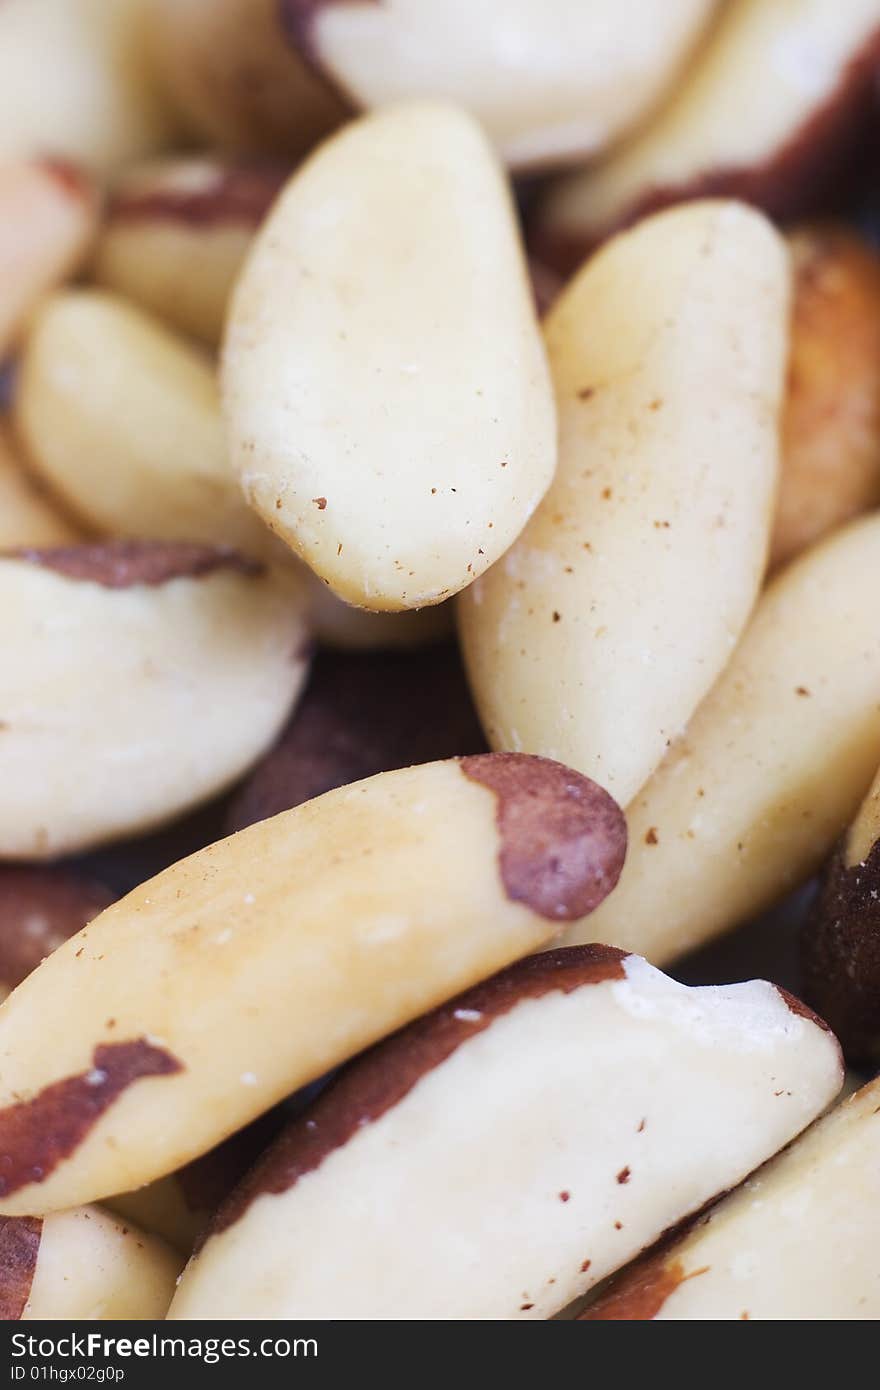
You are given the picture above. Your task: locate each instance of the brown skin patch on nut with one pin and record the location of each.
(640, 1297)
(69, 177)
(240, 194)
(381, 1077)
(840, 954)
(19, 1247)
(363, 713)
(208, 1180)
(38, 1134)
(563, 838)
(815, 163)
(39, 909)
(127, 564)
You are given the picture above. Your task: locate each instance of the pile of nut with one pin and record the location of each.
(439, 486)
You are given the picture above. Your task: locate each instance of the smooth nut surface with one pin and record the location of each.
(387, 398)
(28, 516)
(595, 637)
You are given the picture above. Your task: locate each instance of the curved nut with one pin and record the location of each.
(551, 83)
(640, 568)
(536, 1127)
(797, 1241)
(769, 113)
(831, 423)
(176, 233)
(121, 418)
(27, 516)
(236, 82)
(361, 715)
(340, 625)
(387, 397)
(146, 678)
(772, 766)
(76, 83)
(39, 909)
(217, 988)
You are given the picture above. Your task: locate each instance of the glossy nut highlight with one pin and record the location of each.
(528, 1137)
(771, 768)
(551, 83)
(121, 418)
(595, 637)
(797, 1241)
(770, 113)
(256, 965)
(387, 397)
(27, 515)
(176, 233)
(146, 678)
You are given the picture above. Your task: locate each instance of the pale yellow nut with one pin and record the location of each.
(387, 398)
(798, 1241)
(256, 965)
(500, 1157)
(121, 418)
(76, 82)
(83, 1264)
(551, 83)
(28, 515)
(338, 624)
(769, 109)
(236, 82)
(141, 679)
(176, 233)
(48, 214)
(771, 768)
(595, 637)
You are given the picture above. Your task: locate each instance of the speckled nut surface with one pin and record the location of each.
(82, 1264)
(27, 515)
(840, 943)
(831, 423)
(563, 1076)
(121, 418)
(771, 768)
(769, 113)
(76, 83)
(362, 714)
(592, 640)
(176, 233)
(237, 83)
(798, 1241)
(387, 397)
(146, 678)
(48, 214)
(256, 965)
(551, 83)
(345, 628)
(39, 909)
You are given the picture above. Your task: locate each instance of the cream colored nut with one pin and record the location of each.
(831, 424)
(798, 1241)
(146, 677)
(771, 768)
(768, 113)
(531, 1136)
(39, 909)
(235, 80)
(82, 1264)
(48, 213)
(256, 965)
(121, 418)
(27, 515)
(338, 624)
(387, 397)
(176, 233)
(76, 82)
(598, 633)
(551, 83)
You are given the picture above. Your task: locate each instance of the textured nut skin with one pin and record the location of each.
(478, 1133)
(590, 641)
(360, 715)
(446, 440)
(263, 961)
(40, 908)
(771, 112)
(831, 422)
(550, 86)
